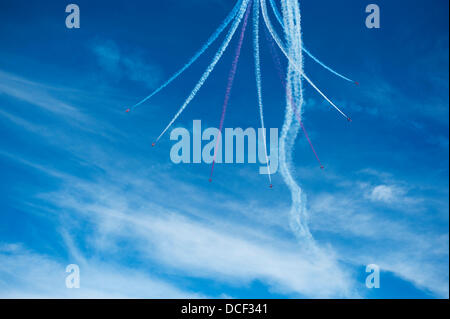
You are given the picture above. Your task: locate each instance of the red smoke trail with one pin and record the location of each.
(231, 77)
(277, 61)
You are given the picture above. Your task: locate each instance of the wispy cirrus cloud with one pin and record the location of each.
(200, 247)
(386, 233)
(35, 94)
(27, 274)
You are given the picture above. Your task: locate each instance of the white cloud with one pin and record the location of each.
(40, 99)
(387, 194)
(228, 253)
(25, 274)
(35, 94)
(407, 249)
(130, 66)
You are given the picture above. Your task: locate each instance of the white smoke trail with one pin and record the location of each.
(289, 132)
(280, 20)
(259, 81)
(291, 60)
(276, 12)
(294, 44)
(211, 67)
(327, 67)
(199, 53)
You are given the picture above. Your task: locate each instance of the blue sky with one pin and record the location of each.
(81, 184)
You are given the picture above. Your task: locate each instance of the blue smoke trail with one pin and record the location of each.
(211, 67)
(259, 82)
(280, 20)
(210, 41)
